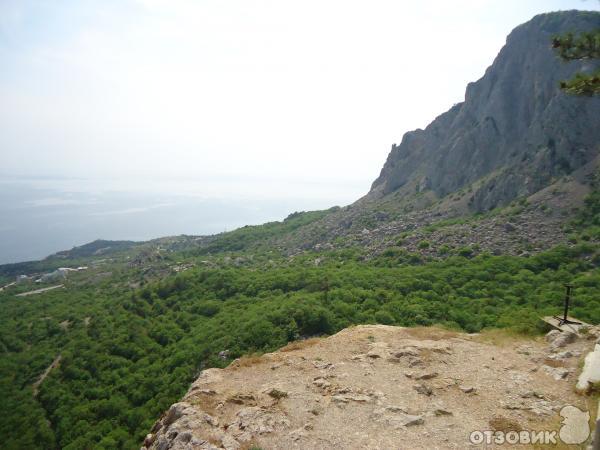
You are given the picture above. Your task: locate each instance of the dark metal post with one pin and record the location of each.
(564, 320)
(567, 299)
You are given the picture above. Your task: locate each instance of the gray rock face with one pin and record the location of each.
(562, 340)
(515, 131)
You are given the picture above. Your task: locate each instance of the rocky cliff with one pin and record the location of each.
(378, 386)
(515, 132)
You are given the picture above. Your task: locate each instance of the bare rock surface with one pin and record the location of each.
(590, 375)
(353, 390)
(492, 138)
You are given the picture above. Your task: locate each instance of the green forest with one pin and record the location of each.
(129, 349)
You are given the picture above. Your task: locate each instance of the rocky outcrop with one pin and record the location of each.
(514, 133)
(376, 386)
(590, 375)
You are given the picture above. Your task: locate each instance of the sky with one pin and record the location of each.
(254, 98)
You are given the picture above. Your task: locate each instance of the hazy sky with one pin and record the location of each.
(304, 92)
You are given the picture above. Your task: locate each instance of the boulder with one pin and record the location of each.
(561, 339)
(558, 373)
(409, 420)
(467, 389)
(174, 413)
(590, 374)
(563, 355)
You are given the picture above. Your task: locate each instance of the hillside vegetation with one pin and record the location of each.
(128, 351)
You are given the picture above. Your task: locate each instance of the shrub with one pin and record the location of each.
(465, 251)
(424, 244)
(207, 308)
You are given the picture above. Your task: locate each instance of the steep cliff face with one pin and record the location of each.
(514, 133)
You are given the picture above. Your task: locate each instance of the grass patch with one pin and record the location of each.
(247, 361)
(432, 333)
(501, 337)
(504, 424)
(299, 345)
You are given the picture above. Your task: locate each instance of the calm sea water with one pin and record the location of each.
(39, 217)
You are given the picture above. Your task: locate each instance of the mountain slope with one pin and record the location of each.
(514, 133)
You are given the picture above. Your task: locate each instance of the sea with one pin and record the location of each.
(42, 215)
